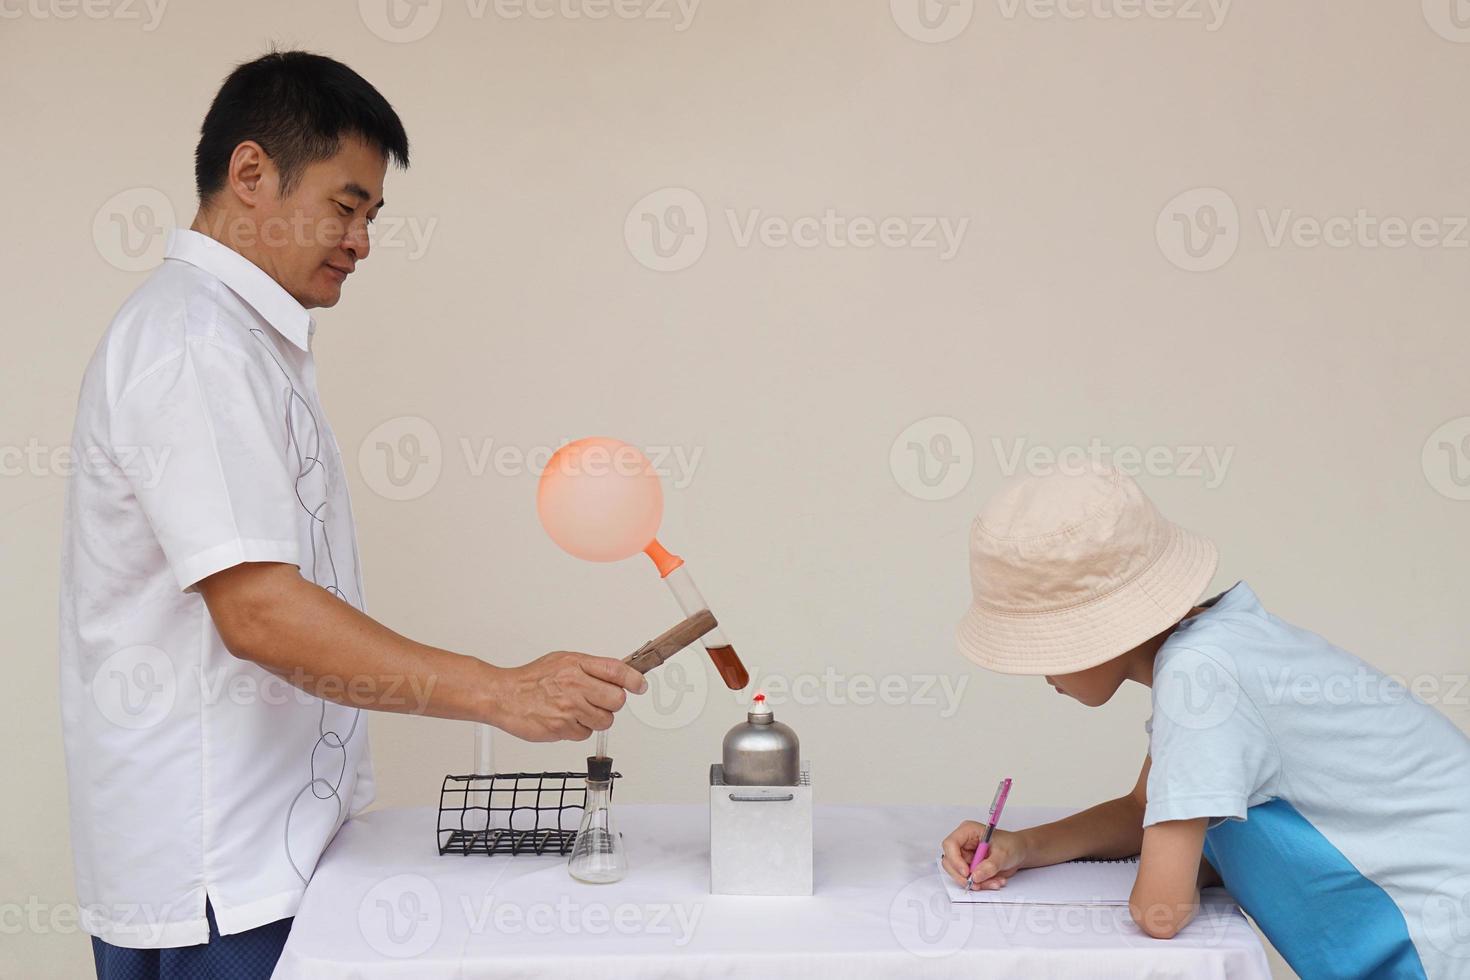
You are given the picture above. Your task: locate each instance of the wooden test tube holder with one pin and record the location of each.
(671, 641)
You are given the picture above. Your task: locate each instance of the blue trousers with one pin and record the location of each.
(248, 955)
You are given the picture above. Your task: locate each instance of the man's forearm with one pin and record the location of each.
(319, 643)
(1109, 830)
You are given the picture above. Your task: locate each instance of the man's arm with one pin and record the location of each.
(268, 614)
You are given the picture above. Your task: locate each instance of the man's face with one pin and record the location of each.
(313, 238)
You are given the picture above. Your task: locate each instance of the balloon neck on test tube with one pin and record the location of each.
(720, 650)
(663, 559)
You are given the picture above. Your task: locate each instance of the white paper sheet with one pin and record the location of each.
(1072, 883)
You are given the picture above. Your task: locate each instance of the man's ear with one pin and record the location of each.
(253, 177)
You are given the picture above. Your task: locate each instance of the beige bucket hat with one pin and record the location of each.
(1071, 570)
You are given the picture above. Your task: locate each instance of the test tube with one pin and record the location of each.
(726, 661)
(478, 800)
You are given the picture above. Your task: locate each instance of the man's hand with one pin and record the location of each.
(562, 696)
(1007, 855)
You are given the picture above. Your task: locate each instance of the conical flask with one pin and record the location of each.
(597, 855)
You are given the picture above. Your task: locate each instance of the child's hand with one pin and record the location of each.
(1007, 855)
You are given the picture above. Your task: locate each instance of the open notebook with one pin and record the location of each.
(1085, 882)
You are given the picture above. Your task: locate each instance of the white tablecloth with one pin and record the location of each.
(383, 903)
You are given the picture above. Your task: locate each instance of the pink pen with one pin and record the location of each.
(982, 849)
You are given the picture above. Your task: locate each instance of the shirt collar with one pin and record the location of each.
(247, 280)
(1237, 598)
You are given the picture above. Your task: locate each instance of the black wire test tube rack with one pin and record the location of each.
(512, 813)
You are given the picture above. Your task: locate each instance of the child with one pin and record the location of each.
(1333, 804)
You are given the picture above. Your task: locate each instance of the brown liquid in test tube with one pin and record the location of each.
(727, 662)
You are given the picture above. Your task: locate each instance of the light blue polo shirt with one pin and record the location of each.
(1339, 801)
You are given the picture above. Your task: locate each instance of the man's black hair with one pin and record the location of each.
(297, 106)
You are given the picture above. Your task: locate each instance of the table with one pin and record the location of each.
(384, 904)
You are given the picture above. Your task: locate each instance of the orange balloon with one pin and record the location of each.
(600, 499)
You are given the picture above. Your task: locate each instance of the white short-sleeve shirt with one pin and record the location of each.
(201, 444)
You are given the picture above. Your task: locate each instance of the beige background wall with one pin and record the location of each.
(511, 304)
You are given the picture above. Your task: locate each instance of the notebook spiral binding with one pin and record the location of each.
(1126, 860)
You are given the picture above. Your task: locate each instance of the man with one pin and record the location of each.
(203, 786)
